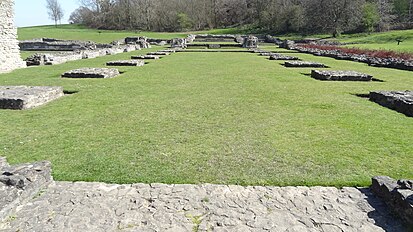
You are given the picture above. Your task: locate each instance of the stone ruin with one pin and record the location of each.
(340, 76)
(140, 40)
(158, 53)
(27, 97)
(126, 63)
(250, 42)
(304, 64)
(9, 48)
(398, 195)
(179, 43)
(49, 44)
(21, 183)
(283, 57)
(145, 57)
(400, 101)
(92, 73)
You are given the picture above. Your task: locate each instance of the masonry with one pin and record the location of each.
(9, 48)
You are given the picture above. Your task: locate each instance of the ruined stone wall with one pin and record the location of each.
(9, 49)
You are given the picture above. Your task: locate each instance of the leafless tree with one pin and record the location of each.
(54, 10)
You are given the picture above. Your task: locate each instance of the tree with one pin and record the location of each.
(371, 16)
(55, 11)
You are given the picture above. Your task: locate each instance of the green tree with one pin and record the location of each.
(371, 16)
(184, 21)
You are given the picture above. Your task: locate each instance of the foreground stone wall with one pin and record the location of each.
(9, 48)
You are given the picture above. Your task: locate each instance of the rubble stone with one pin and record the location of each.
(340, 76)
(304, 64)
(92, 73)
(282, 57)
(27, 97)
(250, 42)
(20, 184)
(158, 53)
(397, 196)
(147, 57)
(126, 63)
(401, 101)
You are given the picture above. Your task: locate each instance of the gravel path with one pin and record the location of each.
(96, 207)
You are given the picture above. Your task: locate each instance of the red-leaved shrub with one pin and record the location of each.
(358, 51)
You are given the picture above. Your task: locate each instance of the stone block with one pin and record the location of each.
(21, 183)
(340, 76)
(126, 63)
(92, 73)
(304, 64)
(282, 57)
(398, 197)
(158, 53)
(27, 97)
(401, 101)
(147, 57)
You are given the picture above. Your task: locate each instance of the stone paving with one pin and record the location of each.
(27, 97)
(66, 206)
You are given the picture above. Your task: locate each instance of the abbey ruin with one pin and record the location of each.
(9, 48)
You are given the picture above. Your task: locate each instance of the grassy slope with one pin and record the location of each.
(228, 118)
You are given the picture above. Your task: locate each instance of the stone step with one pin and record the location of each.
(20, 184)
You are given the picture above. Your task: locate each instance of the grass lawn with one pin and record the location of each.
(226, 118)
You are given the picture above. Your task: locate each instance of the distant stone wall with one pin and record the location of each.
(9, 49)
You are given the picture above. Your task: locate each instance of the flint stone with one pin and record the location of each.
(27, 97)
(340, 76)
(92, 73)
(399, 198)
(304, 64)
(159, 53)
(401, 101)
(282, 57)
(126, 63)
(147, 57)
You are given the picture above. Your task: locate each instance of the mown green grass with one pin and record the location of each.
(224, 118)
(79, 32)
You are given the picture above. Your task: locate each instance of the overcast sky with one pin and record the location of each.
(34, 12)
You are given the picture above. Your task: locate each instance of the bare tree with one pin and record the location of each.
(55, 11)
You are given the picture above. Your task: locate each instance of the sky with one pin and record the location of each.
(34, 12)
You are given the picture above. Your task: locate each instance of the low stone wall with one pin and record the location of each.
(401, 101)
(372, 61)
(46, 44)
(27, 97)
(63, 57)
(328, 75)
(303, 64)
(92, 73)
(398, 195)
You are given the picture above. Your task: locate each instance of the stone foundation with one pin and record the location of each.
(92, 73)
(126, 63)
(401, 101)
(282, 57)
(398, 195)
(304, 64)
(147, 57)
(158, 54)
(9, 48)
(340, 76)
(21, 183)
(27, 97)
